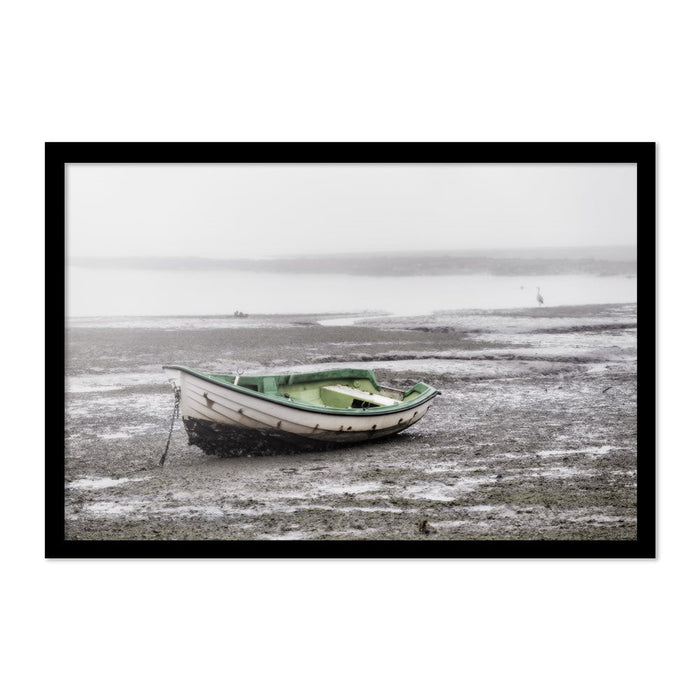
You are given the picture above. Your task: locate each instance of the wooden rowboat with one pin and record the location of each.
(231, 415)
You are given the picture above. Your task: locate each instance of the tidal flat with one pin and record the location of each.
(534, 436)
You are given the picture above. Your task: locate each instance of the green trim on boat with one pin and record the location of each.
(318, 391)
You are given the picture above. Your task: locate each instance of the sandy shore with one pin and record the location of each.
(533, 437)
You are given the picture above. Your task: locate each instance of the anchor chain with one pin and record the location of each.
(176, 408)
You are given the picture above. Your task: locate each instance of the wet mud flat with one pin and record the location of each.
(533, 437)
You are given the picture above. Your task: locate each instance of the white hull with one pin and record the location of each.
(202, 400)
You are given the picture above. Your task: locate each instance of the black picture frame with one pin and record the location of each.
(59, 155)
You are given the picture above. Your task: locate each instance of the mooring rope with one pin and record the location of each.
(172, 425)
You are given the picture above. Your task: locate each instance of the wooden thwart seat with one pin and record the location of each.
(340, 396)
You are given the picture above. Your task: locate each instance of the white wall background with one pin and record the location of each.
(446, 71)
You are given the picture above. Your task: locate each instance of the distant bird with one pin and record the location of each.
(539, 297)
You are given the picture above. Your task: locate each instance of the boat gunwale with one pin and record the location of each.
(431, 393)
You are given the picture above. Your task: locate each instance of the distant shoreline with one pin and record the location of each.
(318, 318)
(601, 261)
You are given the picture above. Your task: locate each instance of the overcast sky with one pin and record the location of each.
(259, 210)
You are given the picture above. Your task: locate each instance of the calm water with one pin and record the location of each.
(163, 293)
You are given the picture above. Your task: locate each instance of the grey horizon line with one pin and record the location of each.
(406, 253)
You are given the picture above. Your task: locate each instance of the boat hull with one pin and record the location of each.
(223, 421)
(224, 440)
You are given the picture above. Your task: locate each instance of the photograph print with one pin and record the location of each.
(362, 350)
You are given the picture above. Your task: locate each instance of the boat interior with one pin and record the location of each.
(332, 389)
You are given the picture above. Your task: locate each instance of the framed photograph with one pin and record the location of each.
(351, 350)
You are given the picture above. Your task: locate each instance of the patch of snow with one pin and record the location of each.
(102, 483)
(601, 450)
